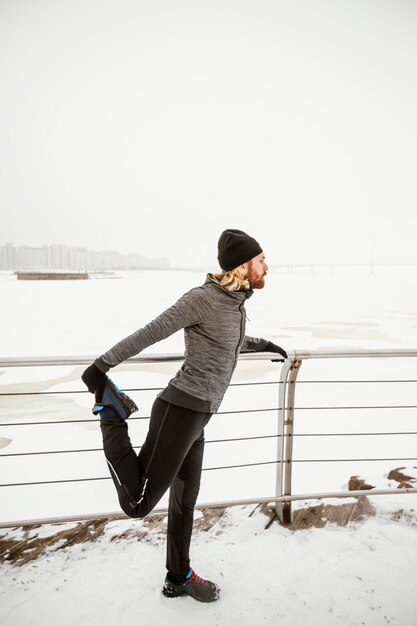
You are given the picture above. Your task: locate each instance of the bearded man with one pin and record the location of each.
(213, 318)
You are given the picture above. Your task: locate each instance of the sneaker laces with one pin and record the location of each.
(195, 578)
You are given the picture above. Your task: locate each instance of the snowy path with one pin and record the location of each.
(362, 574)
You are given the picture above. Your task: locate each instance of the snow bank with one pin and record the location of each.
(359, 574)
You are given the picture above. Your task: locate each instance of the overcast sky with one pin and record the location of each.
(150, 126)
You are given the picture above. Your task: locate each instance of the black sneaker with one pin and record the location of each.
(115, 399)
(196, 587)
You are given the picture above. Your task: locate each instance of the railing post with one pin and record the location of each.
(281, 435)
(288, 379)
(289, 439)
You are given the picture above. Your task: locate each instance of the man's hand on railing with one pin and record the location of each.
(95, 380)
(272, 347)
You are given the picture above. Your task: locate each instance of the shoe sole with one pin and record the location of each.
(171, 592)
(117, 400)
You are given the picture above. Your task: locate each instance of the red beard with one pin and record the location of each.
(255, 280)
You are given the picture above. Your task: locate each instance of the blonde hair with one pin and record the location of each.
(233, 280)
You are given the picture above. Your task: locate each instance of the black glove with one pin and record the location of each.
(272, 347)
(95, 380)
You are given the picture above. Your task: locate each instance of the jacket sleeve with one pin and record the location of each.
(253, 344)
(189, 310)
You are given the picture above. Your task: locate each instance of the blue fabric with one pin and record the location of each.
(107, 412)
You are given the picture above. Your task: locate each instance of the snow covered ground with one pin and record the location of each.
(361, 574)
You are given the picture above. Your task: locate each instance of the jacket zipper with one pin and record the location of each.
(239, 343)
(242, 317)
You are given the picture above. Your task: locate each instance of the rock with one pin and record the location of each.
(356, 483)
(405, 485)
(395, 474)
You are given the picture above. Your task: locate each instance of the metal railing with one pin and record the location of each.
(286, 421)
(285, 411)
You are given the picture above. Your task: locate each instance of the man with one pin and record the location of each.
(213, 318)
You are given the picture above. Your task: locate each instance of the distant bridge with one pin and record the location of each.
(331, 268)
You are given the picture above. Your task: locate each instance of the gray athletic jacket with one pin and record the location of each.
(214, 327)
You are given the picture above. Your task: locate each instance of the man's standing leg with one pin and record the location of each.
(182, 498)
(181, 579)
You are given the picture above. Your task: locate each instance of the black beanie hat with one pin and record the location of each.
(236, 247)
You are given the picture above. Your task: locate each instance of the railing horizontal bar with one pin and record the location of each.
(327, 382)
(212, 505)
(35, 361)
(209, 469)
(131, 419)
(46, 452)
(234, 439)
(46, 361)
(55, 482)
(243, 438)
(254, 384)
(247, 356)
(346, 354)
(338, 408)
(236, 412)
(352, 434)
(71, 392)
(81, 480)
(138, 390)
(223, 467)
(42, 452)
(52, 422)
(353, 460)
(358, 493)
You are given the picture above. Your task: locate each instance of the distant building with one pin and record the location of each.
(8, 257)
(62, 257)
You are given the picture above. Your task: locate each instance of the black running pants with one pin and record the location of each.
(172, 456)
